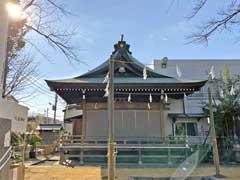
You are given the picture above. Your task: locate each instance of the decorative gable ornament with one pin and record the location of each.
(122, 69)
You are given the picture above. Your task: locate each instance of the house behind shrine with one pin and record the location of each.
(147, 103)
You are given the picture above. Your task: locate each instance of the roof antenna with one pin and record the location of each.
(122, 37)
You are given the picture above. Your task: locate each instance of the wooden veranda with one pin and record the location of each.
(130, 150)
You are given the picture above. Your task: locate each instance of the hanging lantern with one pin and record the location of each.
(166, 98)
(129, 97)
(150, 98)
(145, 73)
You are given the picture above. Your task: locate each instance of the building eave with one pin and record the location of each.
(54, 85)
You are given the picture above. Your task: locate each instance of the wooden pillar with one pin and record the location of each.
(83, 134)
(183, 104)
(169, 156)
(139, 153)
(111, 141)
(84, 119)
(213, 136)
(162, 122)
(62, 156)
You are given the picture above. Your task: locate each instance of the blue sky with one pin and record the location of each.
(153, 28)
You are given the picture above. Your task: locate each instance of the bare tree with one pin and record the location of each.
(20, 71)
(226, 19)
(41, 17)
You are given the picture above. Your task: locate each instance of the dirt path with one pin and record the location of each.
(62, 173)
(232, 173)
(95, 173)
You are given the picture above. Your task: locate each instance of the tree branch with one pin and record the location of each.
(199, 5)
(212, 26)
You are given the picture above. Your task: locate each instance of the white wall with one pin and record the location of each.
(69, 113)
(176, 106)
(204, 123)
(16, 113)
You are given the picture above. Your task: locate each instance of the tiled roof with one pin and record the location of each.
(122, 56)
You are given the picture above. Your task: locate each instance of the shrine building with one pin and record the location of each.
(147, 103)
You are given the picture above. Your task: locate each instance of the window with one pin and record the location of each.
(186, 128)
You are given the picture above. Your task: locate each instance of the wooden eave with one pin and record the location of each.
(72, 92)
(79, 86)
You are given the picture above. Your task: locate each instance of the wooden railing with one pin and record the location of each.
(168, 140)
(139, 150)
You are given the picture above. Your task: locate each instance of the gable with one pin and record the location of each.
(125, 65)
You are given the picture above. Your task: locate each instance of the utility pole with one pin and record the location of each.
(55, 109)
(213, 136)
(111, 143)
